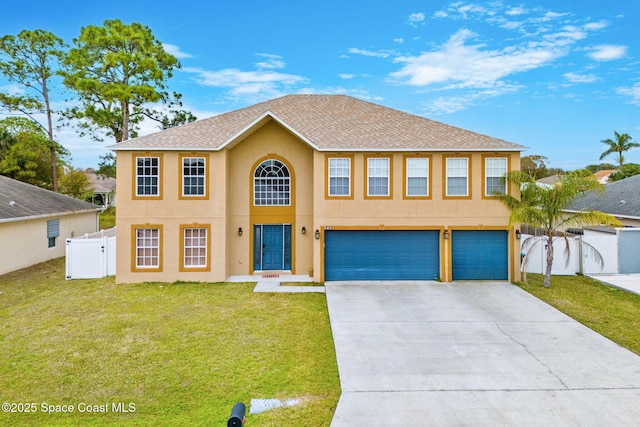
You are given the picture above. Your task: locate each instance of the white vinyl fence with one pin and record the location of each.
(619, 251)
(91, 256)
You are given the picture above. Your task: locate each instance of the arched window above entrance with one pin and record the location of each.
(271, 184)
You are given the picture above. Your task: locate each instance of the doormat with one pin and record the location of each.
(268, 275)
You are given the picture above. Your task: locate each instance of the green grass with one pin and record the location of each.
(610, 311)
(183, 354)
(107, 218)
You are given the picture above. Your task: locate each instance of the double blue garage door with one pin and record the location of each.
(381, 255)
(414, 255)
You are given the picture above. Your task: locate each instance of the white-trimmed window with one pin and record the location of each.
(195, 247)
(457, 176)
(378, 176)
(495, 169)
(271, 184)
(147, 248)
(339, 176)
(194, 176)
(417, 169)
(147, 176)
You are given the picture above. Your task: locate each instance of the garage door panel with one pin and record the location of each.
(480, 254)
(381, 255)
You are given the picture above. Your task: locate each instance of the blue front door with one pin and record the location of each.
(272, 247)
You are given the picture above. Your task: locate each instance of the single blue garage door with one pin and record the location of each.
(381, 255)
(480, 254)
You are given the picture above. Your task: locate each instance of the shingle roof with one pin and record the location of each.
(21, 200)
(620, 198)
(328, 122)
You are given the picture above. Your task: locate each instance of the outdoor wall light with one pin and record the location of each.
(518, 235)
(317, 234)
(446, 234)
(304, 230)
(239, 231)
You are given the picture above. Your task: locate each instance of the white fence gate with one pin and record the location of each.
(91, 256)
(581, 259)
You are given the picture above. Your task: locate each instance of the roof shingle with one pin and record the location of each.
(330, 122)
(618, 198)
(21, 200)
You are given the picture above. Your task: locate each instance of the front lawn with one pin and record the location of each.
(610, 311)
(169, 354)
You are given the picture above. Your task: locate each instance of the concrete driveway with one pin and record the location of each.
(472, 353)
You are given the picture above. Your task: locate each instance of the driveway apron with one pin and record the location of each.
(472, 353)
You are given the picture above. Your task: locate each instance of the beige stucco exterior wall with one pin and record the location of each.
(24, 243)
(229, 206)
(438, 212)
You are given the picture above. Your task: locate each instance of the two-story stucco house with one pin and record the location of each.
(324, 185)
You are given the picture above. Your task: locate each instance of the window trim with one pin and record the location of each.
(484, 173)
(389, 177)
(205, 196)
(327, 158)
(445, 186)
(134, 166)
(183, 266)
(134, 253)
(405, 177)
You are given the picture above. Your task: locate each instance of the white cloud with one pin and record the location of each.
(595, 26)
(175, 51)
(377, 54)
(12, 89)
(346, 76)
(399, 40)
(516, 11)
(607, 52)
(580, 78)
(416, 18)
(463, 65)
(254, 85)
(633, 92)
(271, 61)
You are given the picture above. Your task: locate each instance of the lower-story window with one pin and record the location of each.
(148, 248)
(195, 248)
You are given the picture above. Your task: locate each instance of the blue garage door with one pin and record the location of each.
(480, 254)
(381, 255)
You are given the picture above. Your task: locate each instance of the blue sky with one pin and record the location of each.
(557, 77)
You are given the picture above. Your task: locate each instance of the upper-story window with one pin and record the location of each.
(147, 176)
(378, 176)
(194, 177)
(417, 177)
(339, 176)
(495, 171)
(271, 184)
(457, 177)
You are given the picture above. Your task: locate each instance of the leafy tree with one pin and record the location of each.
(627, 171)
(620, 144)
(75, 183)
(600, 167)
(107, 165)
(117, 70)
(543, 207)
(30, 60)
(24, 155)
(535, 165)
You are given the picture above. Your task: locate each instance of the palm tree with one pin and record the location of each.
(621, 144)
(543, 207)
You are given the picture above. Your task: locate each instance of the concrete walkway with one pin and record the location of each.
(477, 354)
(628, 282)
(273, 283)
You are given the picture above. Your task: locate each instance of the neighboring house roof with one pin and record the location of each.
(327, 123)
(19, 200)
(603, 175)
(620, 198)
(101, 184)
(548, 181)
